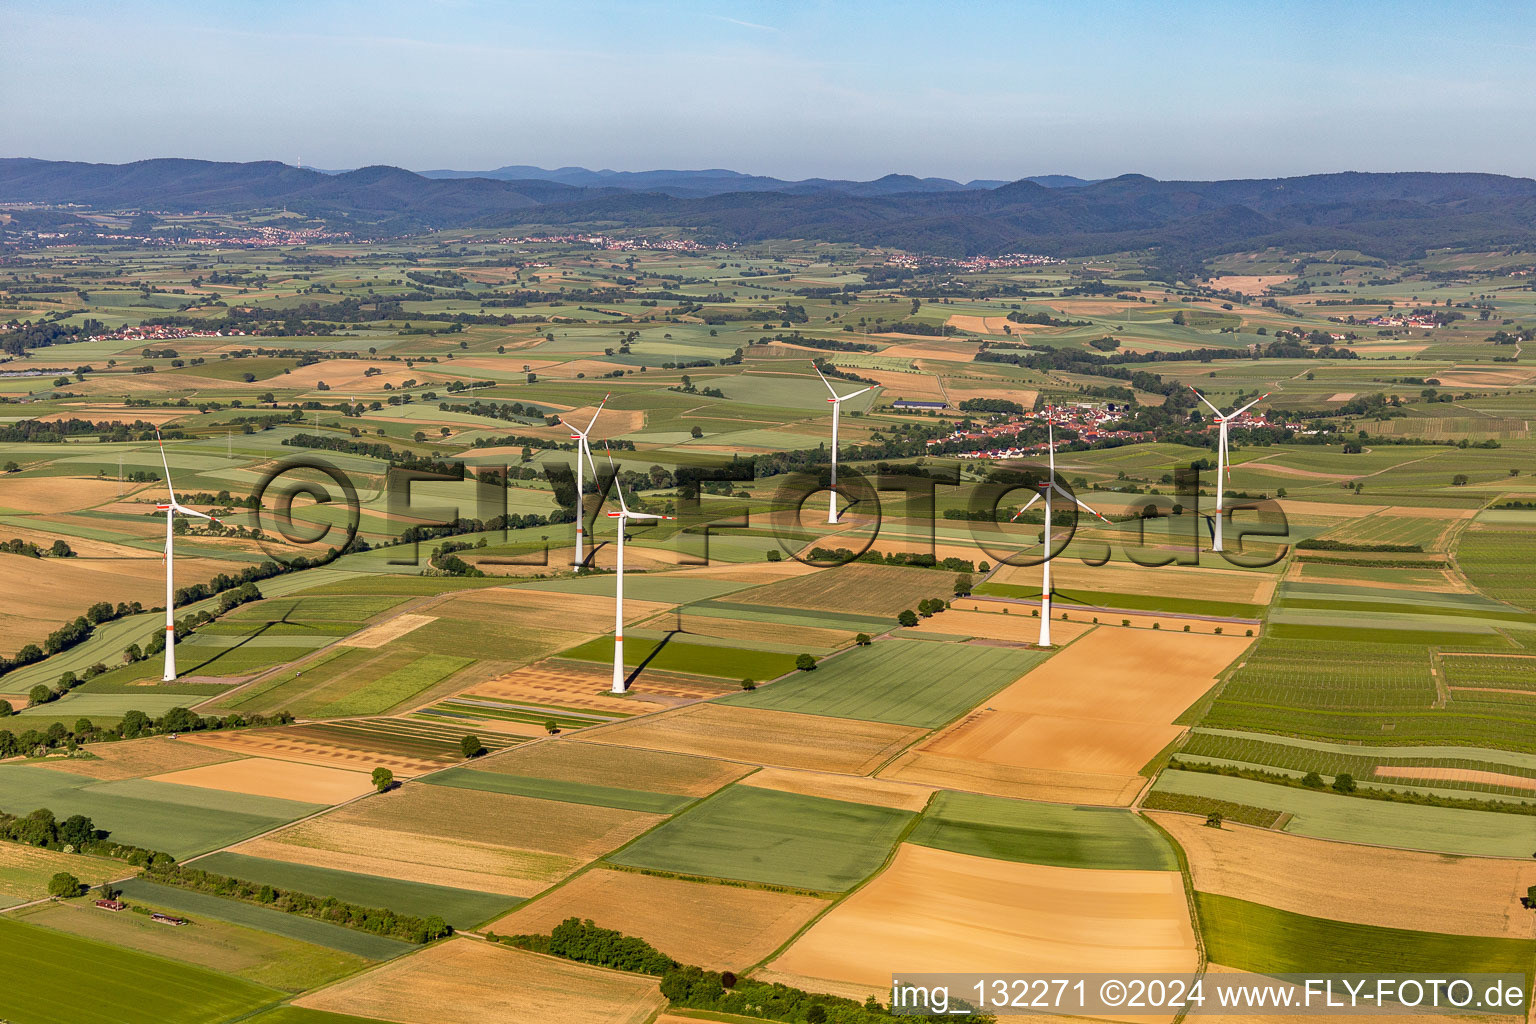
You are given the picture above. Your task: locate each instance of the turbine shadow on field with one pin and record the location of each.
(630, 681)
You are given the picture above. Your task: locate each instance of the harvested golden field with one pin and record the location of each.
(384, 632)
(719, 927)
(493, 842)
(351, 375)
(569, 684)
(949, 352)
(290, 744)
(25, 870)
(130, 759)
(1082, 724)
(982, 324)
(1249, 284)
(857, 588)
(59, 589)
(953, 912)
(1386, 887)
(913, 386)
(600, 764)
(1185, 581)
(757, 736)
(290, 780)
(53, 494)
(879, 792)
(381, 851)
(486, 983)
(1431, 774)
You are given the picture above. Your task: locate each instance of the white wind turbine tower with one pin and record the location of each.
(837, 407)
(1049, 488)
(583, 448)
(1222, 466)
(624, 515)
(171, 511)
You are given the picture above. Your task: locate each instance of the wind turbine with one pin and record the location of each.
(1223, 468)
(582, 448)
(1045, 492)
(624, 515)
(170, 511)
(837, 407)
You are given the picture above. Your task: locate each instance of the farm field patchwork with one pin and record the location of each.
(1388, 888)
(1051, 834)
(1080, 727)
(955, 912)
(757, 736)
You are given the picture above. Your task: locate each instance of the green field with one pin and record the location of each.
(559, 789)
(292, 926)
(1325, 815)
(1251, 937)
(256, 956)
(461, 908)
(54, 978)
(760, 835)
(904, 682)
(180, 820)
(682, 656)
(1072, 837)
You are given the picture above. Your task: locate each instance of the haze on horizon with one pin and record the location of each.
(793, 90)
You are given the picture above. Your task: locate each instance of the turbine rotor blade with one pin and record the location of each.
(824, 380)
(1207, 402)
(597, 413)
(1074, 498)
(166, 464)
(1021, 511)
(618, 487)
(1250, 405)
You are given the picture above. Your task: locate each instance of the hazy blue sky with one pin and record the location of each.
(794, 89)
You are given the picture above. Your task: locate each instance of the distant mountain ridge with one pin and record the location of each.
(1390, 215)
(715, 181)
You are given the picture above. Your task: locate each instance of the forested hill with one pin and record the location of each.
(1390, 215)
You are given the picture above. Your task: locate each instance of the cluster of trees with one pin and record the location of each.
(991, 405)
(34, 432)
(575, 939)
(377, 920)
(926, 608)
(17, 546)
(915, 559)
(42, 828)
(18, 337)
(686, 985)
(58, 736)
(1316, 544)
(501, 411)
(382, 452)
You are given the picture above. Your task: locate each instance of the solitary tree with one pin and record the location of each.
(748, 684)
(907, 618)
(383, 778)
(805, 662)
(551, 726)
(963, 584)
(64, 885)
(862, 639)
(1312, 780)
(470, 746)
(1344, 783)
(1213, 820)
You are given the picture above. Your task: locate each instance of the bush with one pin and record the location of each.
(805, 662)
(64, 885)
(774, 555)
(1344, 783)
(1312, 780)
(470, 746)
(1213, 820)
